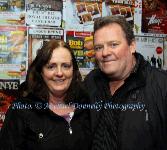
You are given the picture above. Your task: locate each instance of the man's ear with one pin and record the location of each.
(133, 47)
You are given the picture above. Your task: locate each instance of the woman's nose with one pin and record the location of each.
(59, 72)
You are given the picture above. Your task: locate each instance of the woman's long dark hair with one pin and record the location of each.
(35, 84)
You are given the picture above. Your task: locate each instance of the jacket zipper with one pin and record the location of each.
(69, 128)
(69, 122)
(146, 114)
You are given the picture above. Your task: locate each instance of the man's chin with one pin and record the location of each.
(108, 71)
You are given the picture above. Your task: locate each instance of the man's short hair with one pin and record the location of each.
(120, 20)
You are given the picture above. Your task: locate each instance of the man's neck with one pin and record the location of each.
(116, 84)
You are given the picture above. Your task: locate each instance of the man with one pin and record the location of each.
(133, 94)
(159, 62)
(153, 61)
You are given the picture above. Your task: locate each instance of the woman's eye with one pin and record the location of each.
(66, 66)
(50, 66)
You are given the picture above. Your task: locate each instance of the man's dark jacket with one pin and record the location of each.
(138, 109)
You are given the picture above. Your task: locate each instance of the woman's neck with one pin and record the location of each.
(58, 106)
(59, 99)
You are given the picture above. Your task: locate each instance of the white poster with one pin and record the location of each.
(152, 48)
(48, 18)
(44, 12)
(80, 15)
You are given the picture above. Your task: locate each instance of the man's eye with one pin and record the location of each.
(98, 48)
(113, 45)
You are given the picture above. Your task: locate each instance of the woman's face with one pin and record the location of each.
(58, 73)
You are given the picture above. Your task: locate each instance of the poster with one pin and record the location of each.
(122, 8)
(13, 52)
(82, 45)
(165, 53)
(12, 12)
(44, 12)
(80, 14)
(8, 93)
(152, 48)
(137, 16)
(154, 16)
(37, 36)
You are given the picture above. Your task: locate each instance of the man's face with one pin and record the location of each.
(112, 51)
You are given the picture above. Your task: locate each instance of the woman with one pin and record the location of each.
(44, 118)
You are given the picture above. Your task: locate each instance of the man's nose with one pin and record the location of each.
(105, 51)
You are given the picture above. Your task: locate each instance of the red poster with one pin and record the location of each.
(154, 16)
(8, 93)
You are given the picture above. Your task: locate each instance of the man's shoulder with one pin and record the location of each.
(157, 77)
(158, 73)
(90, 81)
(93, 74)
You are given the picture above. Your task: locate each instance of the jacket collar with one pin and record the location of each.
(137, 78)
(138, 75)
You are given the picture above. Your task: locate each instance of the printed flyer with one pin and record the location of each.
(8, 93)
(81, 14)
(44, 12)
(152, 48)
(82, 45)
(154, 16)
(38, 35)
(13, 52)
(12, 12)
(122, 8)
